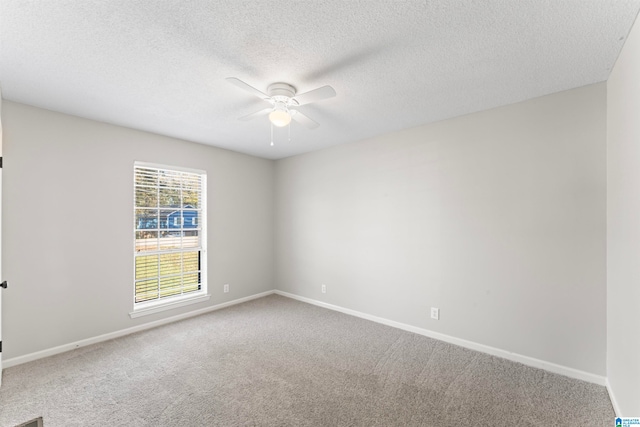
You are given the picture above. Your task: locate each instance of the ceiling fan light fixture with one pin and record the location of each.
(280, 116)
(283, 96)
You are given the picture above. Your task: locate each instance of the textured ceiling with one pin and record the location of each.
(160, 66)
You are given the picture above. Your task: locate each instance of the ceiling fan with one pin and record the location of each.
(284, 102)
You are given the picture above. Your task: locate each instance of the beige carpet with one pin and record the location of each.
(279, 362)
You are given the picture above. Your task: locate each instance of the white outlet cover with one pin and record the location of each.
(435, 313)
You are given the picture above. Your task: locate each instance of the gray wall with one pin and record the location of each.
(623, 227)
(67, 225)
(497, 218)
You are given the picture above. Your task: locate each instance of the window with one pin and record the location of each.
(168, 252)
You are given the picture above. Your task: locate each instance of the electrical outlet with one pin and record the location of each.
(435, 313)
(324, 288)
(226, 288)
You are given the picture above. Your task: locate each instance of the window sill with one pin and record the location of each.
(168, 305)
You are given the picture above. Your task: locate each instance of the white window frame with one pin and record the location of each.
(167, 303)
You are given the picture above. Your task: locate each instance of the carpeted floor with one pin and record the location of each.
(279, 362)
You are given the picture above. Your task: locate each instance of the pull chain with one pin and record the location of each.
(272, 134)
(289, 131)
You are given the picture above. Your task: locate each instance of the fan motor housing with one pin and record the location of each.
(285, 90)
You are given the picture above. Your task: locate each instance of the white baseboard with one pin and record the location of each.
(525, 360)
(614, 402)
(111, 335)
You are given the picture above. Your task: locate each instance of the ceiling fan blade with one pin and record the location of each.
(248, 88)
(303, 120)
(315, 95)
(256, 114)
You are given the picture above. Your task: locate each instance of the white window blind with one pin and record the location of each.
(170, 235)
